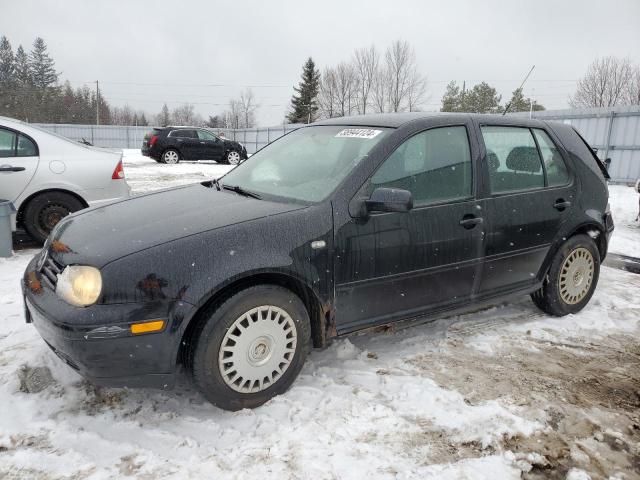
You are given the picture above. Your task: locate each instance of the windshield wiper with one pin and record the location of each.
(241, 191)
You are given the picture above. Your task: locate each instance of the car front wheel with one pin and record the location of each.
(232, 157)
(251, 347)
(572, 277)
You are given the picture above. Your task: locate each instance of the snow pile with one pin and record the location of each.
(623, 201)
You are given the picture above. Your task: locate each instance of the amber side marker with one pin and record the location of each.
(147, 327)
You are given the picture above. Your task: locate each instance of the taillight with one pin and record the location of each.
(153, 140)
(118, 173)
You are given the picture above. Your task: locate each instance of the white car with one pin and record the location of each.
(47, 176)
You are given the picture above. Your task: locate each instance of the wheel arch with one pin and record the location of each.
(586, 228)
(23, 206)
(311, 301)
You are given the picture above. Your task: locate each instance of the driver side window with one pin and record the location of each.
(434, 165)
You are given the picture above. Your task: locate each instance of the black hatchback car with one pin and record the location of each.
(172, 144)
(339, 226)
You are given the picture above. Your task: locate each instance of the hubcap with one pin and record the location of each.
(257, 349)
(576, 276)
(234, 158)
(171, 157)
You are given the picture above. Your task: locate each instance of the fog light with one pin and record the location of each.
(147, 327)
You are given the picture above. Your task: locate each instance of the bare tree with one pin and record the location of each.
(185, 115)
(400, 64)
(345, 89)
(248, 108)
(632, 96)
(380, 90)
(416, 94)
(366, 62)
(604, 84)
(328, 93)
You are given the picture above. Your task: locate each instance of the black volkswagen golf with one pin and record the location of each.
(339, 226)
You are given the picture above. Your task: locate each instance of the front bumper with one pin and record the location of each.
(96, 341)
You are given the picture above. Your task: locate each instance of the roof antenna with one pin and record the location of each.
(506, 109)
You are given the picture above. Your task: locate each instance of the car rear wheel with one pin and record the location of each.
(572, 277)
(44, 211)
(170, 156)
(251, 347)
(233, 157)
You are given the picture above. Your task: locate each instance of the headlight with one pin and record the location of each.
(79, 285)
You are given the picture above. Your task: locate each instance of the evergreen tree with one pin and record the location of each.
(142, 121)
(452, 100)
(521, 104)
(7, 68)
(22, 70)
(42, 66)
(164, 118)
(482, 98)
(304, 103)
(23, 86)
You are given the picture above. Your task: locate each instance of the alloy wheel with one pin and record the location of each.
(233, 158)
(171, 157)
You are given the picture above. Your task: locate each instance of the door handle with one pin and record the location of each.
(9, 168)
(561, 204)
(202, 143)
(469, 221)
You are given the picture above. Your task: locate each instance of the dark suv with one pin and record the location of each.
(172, 144)
(338, 226)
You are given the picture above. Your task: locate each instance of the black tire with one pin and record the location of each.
(170, 152)
(44, 211)
(203, 360)
(549, 298)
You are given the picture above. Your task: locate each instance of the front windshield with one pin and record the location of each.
(307, 164)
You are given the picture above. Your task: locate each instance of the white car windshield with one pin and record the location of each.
(307, 164)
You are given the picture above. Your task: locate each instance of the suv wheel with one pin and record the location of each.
(572, 277)
(232, 157)
(170, 156)
(44, 211)
(251, 347)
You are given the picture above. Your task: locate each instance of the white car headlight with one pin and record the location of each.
(79, 285)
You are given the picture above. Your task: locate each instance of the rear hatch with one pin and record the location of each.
(146, 142)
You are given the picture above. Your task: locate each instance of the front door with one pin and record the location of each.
(211, 147)
(531, 194)
(397, 265)
(18, 163)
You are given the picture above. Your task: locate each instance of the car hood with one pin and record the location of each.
(97, 236)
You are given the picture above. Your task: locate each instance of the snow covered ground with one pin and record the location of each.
(624, 208)
(505, 392)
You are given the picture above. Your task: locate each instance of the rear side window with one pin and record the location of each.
(183, 134)
(7, 144)
(513, 160)
(26, 148)
(434, 165)
(554, 165)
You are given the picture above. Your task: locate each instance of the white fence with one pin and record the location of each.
(615, 132)
(116, 136)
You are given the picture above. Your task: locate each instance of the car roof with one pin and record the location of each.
(395, 120)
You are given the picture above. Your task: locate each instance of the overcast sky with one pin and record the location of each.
(146, 53)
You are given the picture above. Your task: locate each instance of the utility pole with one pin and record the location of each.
(97, 103)
(464, 89)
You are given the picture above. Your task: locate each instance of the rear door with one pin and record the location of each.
(188, 143)
(18, 163)
(397, 265)
(530, 194)
(211, 147)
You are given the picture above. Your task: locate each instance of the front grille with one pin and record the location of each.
(50, 270)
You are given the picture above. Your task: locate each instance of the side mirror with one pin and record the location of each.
(389, 200)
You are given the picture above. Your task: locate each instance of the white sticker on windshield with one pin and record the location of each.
(358, 133)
